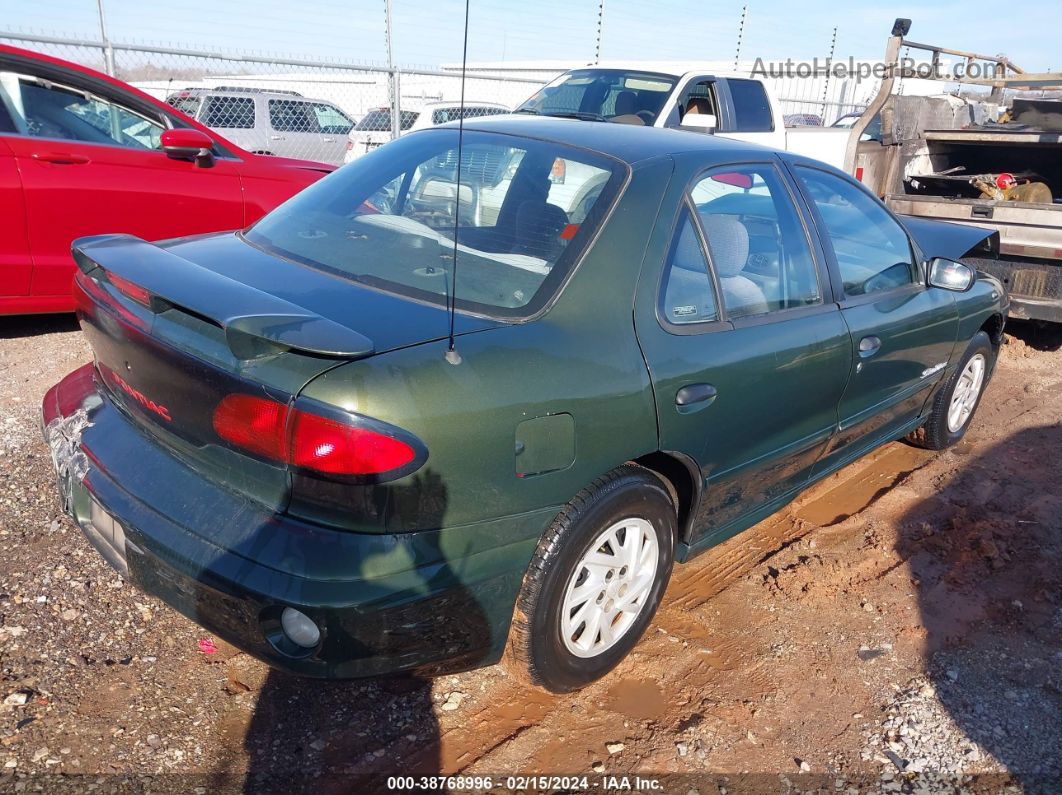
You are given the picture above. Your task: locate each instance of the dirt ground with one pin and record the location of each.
(899, 628)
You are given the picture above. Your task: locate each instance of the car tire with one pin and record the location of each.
(955, 403)
(615, 541)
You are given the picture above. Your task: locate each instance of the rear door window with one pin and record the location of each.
(390, 221)
(757, 243)
(688, 293)
(229, 112)
(752, 109)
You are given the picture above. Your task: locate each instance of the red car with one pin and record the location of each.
(82, 153)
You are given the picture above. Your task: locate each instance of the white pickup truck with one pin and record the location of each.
(732, 106)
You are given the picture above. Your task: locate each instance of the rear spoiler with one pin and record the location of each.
(952, 241)
(255, 323)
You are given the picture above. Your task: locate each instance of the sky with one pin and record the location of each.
(429, 32)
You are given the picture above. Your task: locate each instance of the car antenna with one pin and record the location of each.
(452, 356)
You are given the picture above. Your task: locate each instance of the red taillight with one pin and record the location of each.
(130, 290)
(278, 432)
(327, 446)
(256, 424)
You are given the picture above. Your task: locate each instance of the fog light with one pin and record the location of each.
(300, 628)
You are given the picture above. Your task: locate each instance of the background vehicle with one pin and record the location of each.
(374, 129)
(376, 486)
(989, 159)
(82, 153)
(264, 122)
(731, 106)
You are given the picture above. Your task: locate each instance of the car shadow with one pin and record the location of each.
(985, 554)
(15, 326)
(330, 736)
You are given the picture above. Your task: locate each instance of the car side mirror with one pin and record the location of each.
(699, 122)
(950, 275)
(185, 143)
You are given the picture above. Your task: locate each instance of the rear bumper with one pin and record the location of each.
(1034, 286)
(429, 602)
(1048, 309)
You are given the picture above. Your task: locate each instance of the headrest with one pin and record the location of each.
(728, 242)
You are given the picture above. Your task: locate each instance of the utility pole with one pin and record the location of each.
(392, 76)
(600, 25)
(108, 50)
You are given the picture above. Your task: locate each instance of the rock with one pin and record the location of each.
(614, 748)
(682, 749)
(453, 701)
(16, 699)
(598, 767)
(39, 754)
(154, 740)
(69, 614)
(318, 744)
(803, 765)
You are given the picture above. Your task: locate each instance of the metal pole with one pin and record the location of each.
(396, 104)
(829, 71)
(741, 33)
(600, 25)
(108, 50)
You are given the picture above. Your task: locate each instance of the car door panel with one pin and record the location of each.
(902, 332)
(777, 379)
(15, 264)
(115, 189)
(777, 388)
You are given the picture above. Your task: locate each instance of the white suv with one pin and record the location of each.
(374, 129)
(282, 123)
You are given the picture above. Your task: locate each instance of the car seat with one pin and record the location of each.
(728, 242)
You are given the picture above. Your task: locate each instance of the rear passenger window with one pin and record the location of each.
(688, 295)
(752, 111)
(756, 241)
(229, 112)
(289, 115)
(872, 250)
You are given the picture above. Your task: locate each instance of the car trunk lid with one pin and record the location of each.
(175, 328)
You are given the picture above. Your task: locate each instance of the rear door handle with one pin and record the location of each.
(276, 137)
(694, 396)
(868, 346)
(60, 158)
(329, 140)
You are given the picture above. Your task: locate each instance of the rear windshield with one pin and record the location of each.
(604, 95)
(524, 210)
(380, 120)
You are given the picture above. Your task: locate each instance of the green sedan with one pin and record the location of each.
(473, 395)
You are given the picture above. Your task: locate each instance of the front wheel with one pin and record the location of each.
(595, 582)
(955, 403)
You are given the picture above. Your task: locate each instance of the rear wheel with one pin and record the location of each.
(955, 403)
(595, 582)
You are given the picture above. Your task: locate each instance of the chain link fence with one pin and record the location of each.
(314, 110)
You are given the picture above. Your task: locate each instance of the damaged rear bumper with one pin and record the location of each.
(429, 602)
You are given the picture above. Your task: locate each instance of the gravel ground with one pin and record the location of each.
(899, 628)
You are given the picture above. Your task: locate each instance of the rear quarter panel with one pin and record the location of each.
(580, 358)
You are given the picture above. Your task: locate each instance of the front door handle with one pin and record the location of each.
(276, 137)
(60, 158)
(329, 140)
(868, 346)
(694, 394)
